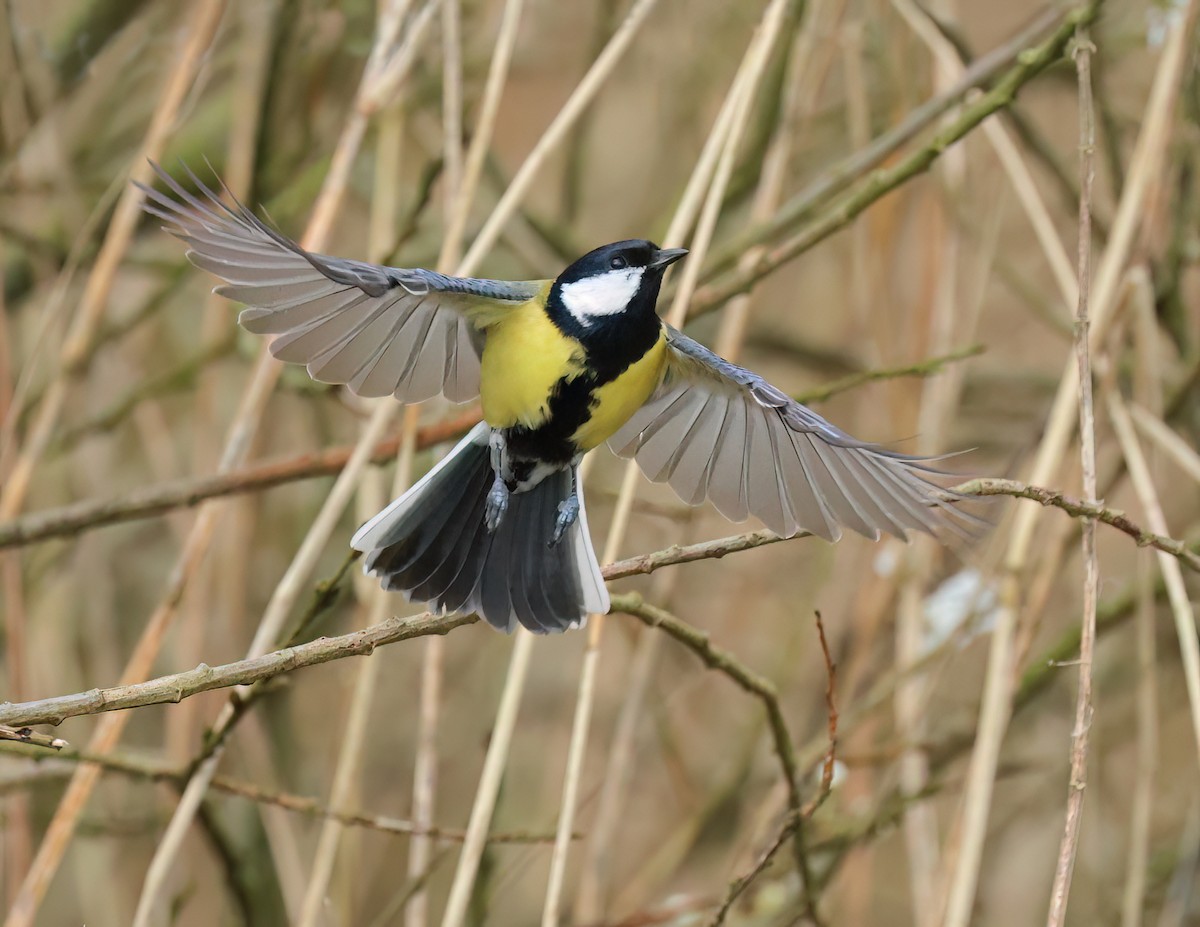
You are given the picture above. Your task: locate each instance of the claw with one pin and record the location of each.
(497, 505)
(568, 513)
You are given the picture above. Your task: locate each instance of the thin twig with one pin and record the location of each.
(1078, 508)
(160, 498)
(26, 735)
(743, 882)
(827, 770)
(1080, 737)
(737, 109)
(832, 713)
(790, 826)
(300, 804)
(554, 135)
(995, 710)
(1030, 63)
(723, 661)
(195, 43)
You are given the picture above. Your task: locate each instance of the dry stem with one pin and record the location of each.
(732, 120)
(996, 708)
(1087, 449)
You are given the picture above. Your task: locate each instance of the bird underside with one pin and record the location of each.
(514, 474)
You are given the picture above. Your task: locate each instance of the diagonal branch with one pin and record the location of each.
(1077, 508)
(178, 686)
(1029, 64)
(760, 687)
(137, 768)
(164, 497)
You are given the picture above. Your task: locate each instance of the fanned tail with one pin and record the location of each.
(431, 544)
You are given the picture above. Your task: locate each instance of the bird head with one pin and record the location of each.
(615, 280)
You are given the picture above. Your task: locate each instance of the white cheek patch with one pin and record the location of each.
(604, 294)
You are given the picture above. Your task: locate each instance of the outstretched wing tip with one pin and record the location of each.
(388, 331)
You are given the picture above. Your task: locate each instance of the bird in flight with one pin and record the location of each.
(561, 366)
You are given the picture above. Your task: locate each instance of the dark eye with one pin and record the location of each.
(618, 263)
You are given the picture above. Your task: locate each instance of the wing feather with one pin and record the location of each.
(833, 481)
(766, 493)
(812, 512)
(727, 474)
(691, 469)
(663, 435)
(301, 312)
(380, 330)
(718, 431)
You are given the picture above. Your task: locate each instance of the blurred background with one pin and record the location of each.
(938, 320)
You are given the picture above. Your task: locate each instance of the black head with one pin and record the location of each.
(612, 285)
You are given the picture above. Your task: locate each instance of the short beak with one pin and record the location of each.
(667, 256)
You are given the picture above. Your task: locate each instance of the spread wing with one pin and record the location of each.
(714, 429)
(409, 333)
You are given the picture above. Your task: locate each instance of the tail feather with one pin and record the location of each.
(439, 561)
(538, 596)
(432, 545)
(491, 595)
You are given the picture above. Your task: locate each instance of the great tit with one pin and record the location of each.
(561, 366)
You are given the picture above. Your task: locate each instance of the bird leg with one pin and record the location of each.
(497, 497)
(568, 512)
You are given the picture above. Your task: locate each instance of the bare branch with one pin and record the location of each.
(1080, 736)
(1029, 64)
(163, 497)
(25, 735)
(1077, 508)
(792, 823)
(761, 688)
(178, 686)
(147, 769)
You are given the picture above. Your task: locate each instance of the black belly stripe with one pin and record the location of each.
(610, 352)
(570, 404)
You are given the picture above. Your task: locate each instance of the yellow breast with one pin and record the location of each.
(524, 356)
(614, 402)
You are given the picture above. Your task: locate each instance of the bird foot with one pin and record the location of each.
(568, 513)
(497, 505)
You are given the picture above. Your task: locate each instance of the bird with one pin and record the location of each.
(498, 527)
